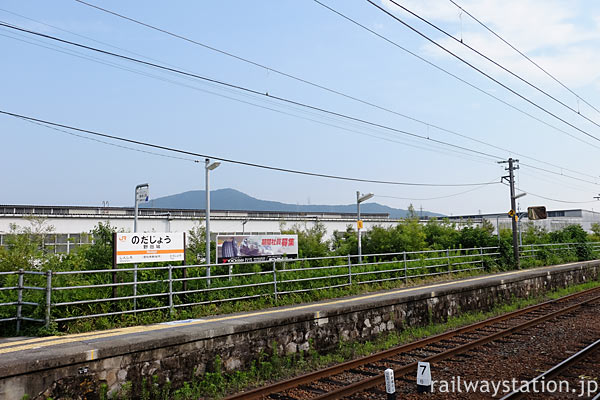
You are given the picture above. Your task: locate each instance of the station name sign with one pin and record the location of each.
(149, 247)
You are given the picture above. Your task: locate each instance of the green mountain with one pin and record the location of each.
(231, 199)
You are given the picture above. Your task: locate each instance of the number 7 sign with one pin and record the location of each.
(423, 377)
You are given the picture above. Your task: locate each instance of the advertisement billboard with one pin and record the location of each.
(240, 248)
(132, 248)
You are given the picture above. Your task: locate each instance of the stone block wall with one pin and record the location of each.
(178, 361)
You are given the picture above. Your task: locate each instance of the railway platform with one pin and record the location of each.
(48, 366)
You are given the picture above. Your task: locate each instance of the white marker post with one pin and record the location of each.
(390, 384)
(423, 377)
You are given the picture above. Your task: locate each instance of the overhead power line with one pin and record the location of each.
(300, 79)
(473, 86)
(319, 109)
(524, 55)
(432, 148)
(251, 91)
(558, 173)
(434, 198)
(550, 198)
(269, 68)
(482, 72)
(248, 164)
(481, 54)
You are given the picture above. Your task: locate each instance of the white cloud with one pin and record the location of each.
(562, 37)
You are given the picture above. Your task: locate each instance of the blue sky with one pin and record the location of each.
(43, 166)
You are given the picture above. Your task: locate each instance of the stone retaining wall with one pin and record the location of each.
(178, 358)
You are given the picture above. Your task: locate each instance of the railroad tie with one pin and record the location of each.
(312, 389)
(277, 396)
(362, 372)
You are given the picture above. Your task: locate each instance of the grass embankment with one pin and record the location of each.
(313, 290)
(272, 367)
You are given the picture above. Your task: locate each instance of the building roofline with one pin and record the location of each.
(179, 210)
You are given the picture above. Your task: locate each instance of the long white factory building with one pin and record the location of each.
(69, 222)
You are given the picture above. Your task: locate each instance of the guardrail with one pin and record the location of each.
(60, 296)
(544, 249)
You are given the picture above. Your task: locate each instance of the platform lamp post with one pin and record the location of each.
(360, 199)
(208, 167)
(141, 195)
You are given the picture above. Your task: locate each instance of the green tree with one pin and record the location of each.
(441, 234)
(476, 236)
(99, 255)
(196, 245)
(532, 234)
(595, 235)
(311, 242)
(345, 242)
(24, 246)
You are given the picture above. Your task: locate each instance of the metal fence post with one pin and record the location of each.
(275, 280)
(135, 279)
(208, 276)
(481, 255)
(48, 296)
(405, 268)
(349, 269)
(19, 300)
(171, 289)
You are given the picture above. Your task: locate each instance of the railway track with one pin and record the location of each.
(576, 366)
(366, 373)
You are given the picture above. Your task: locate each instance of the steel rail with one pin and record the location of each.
(326, 372)
(556, 370)
(408, 368)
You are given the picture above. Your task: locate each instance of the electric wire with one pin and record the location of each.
(107, 143)
(432, 198)
(473, 86)
(297, 78)
(252, 91)
(441, 150)
(282, 73)
(553, 181)
(550, 198)
(524, 55)
(543, 109)
(432, 148)
(49, 125)
(481, 54)
(558, 173)
(557, 200)
(80, 35)
(228, 160)
(362, 133)
(255, 92)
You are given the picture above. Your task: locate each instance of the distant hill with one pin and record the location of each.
(231, 199)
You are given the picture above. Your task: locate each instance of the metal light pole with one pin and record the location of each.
(141, 194)
(360, 199)
(208, 167)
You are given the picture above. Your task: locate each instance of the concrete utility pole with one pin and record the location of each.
(513, 165)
